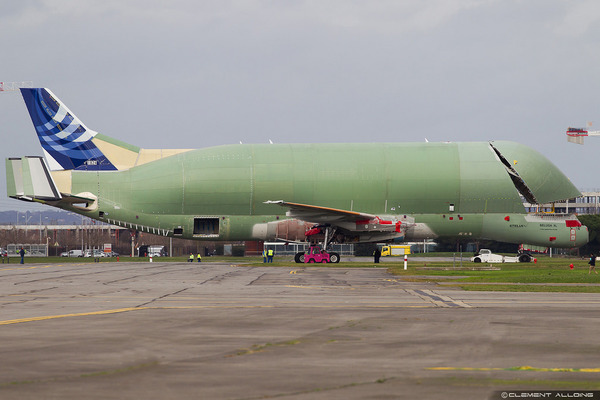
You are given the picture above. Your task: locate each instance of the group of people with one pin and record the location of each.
(268, 255)
(191, 258)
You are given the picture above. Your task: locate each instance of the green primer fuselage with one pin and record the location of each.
(450, 189)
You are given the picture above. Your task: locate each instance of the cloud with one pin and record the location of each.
(389, 16)
(384, 16)
(580, 17)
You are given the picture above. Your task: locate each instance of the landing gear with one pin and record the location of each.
(299, 258)
(315, 253)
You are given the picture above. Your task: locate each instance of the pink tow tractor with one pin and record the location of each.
(316, 254)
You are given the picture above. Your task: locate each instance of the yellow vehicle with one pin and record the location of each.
(395, 250)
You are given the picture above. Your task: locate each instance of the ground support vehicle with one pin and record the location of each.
(316, 254)
(395, 250)
(486, 255)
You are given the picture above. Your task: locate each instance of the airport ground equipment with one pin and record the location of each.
(316, 254)
(395, 250)
(486, 255)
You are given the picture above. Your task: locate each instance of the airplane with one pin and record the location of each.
(328, 193)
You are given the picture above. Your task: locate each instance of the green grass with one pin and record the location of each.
(531, 288)
(545, 275)
(544, 271)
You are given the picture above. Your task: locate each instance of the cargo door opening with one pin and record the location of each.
(206, 226)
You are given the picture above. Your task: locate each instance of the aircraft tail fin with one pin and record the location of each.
(68, 144)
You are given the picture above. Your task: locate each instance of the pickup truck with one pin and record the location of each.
(486, 255)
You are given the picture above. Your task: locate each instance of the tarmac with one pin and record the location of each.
(220, 331)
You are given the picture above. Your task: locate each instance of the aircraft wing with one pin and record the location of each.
(318, 214)
(353, 225)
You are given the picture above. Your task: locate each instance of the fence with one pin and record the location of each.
(31, 250)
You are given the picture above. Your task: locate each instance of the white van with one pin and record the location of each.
(72, 253)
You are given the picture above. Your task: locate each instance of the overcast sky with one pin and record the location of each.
(190, 74)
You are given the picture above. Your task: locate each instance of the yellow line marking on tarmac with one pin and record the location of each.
(520, 368)
(122, 310)
(119, 310)
(35, 266)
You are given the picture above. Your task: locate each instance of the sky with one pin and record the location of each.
(192, 74)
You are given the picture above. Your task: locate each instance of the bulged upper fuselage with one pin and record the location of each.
(362, 191)
(450, 189)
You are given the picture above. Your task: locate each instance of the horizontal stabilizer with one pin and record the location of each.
(29, 179)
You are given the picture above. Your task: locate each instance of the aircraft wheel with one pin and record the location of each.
(524, 258)
(334, 258)
(477, 260)
(299, 258)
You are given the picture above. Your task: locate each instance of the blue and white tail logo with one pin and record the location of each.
(66, 141)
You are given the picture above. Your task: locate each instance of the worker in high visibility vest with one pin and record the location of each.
(191, 259)
(264, 255)
(199, 258)
(270, 254)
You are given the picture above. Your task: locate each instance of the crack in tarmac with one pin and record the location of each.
(162, 297)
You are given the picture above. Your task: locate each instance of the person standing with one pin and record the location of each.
(592, 263)
(376, 255)
(22, 254)
(199, 258)
(264, 255)
(270, 254)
